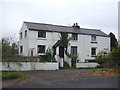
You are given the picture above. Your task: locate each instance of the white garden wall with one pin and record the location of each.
(26, 66)
(79, 65)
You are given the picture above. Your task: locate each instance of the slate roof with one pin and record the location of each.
(59, 28)
(59, 43)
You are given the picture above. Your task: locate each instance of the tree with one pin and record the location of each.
(6, 48)
(14, 48)
(64, 38)
(113, 41)
(116, 55)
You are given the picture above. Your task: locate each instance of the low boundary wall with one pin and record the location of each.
(81, 64)
(26, 66)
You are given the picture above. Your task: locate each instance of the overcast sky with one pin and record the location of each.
(96, 14)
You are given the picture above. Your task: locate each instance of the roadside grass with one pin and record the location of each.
(12, 75)
(87, 68)
(82, 68)
(101, 69)
(105, 71)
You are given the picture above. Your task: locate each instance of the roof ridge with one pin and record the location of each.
(59, 25)
(91, 29)
(47, 24)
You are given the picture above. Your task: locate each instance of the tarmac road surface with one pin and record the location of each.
(65, 79)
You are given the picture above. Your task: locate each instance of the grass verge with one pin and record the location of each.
(105, 72)
(12, 75)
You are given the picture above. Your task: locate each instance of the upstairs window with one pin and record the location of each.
(93, 38)
(21, 35)
(25, 33)
(41, 48)
(74, 50)
(74, 36)
(93, 51)
(42, 34)
(21, 49)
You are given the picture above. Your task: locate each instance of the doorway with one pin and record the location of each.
(61, 52)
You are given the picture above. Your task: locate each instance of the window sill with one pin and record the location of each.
(41, 39)
(74, 40)
(94, 56)
(41, 53)
(94, 42)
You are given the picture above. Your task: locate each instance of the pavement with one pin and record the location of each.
(63, 79)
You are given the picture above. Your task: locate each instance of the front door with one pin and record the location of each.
(61, 52)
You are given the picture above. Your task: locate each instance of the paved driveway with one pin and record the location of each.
(66, 79)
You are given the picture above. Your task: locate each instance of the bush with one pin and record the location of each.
(115, 56)
(112, 59)
(100, 59)
(48, 57)
(73, 60)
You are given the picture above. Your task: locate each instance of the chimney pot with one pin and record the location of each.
(76, 25)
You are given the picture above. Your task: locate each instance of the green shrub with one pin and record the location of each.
(112, 59)
(116, 55)
(48, 57)
(73, 60)
(100, 59)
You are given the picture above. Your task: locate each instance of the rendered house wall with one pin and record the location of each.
(83, 43)
(24, 41)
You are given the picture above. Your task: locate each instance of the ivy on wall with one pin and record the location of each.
(64, 37)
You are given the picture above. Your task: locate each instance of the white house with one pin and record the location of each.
(36, 38)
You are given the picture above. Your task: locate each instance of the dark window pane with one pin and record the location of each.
(21, 49)
(41, 48)
(21, 35)
(54, 51)
(42, 34)
(93, 51)
(93, 38)
(31, 52)
(26, 33)
(74, 50)
(74, 36)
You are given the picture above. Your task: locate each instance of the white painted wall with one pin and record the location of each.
(83, 65)
(24, 41)
(83, 43)
(26, 66)
(84, 46)
(33, 41)
(68, 60)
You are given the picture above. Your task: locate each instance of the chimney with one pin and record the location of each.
(75, 25)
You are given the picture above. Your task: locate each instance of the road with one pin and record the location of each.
(65, 79)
